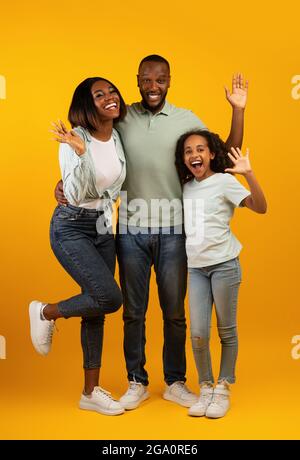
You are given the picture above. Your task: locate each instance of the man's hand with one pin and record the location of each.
(59, 194)
(238, 97)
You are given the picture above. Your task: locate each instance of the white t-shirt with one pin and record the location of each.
(107, 167)
(208, 208)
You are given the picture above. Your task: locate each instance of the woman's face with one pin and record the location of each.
(106, 100)
(197, 156)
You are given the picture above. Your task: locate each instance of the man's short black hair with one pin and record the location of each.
(154, 58)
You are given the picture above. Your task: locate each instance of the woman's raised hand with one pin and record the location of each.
(64, 136)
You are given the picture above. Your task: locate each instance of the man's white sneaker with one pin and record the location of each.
(220, 402)
(199, 409)
(136, 393)
(101, 401)
(179, 393)
(41, 330)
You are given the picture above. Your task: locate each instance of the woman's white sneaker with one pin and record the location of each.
(199, 409)
(101, 401)
(220, 402)
(136, 393)
(41, 330)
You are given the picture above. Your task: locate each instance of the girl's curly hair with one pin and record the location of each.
(218, 164)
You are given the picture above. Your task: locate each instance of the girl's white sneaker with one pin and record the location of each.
(199, 409)
(220, 402)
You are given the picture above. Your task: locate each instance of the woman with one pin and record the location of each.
(93, 169)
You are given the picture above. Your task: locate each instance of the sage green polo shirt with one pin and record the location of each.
(154, 193)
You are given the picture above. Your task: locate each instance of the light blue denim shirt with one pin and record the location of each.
(79, 175)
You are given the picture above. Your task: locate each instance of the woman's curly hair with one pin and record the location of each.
(218, 164)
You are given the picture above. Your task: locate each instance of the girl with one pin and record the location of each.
(210, 195)
(93, 170)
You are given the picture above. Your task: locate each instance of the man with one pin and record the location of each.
(150, 229)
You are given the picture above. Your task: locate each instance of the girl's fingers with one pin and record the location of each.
(239, 151)
(229, 170)
(234, 153)
(232, 158)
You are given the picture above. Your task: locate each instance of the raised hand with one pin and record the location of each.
(68, 137)
(238, 97)
(241, 164)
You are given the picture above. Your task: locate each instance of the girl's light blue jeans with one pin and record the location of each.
(219, 285)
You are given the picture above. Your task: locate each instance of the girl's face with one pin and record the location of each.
(106, 100)
(197, 156)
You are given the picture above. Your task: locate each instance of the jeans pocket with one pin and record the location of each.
(63, 213)
(64, 216)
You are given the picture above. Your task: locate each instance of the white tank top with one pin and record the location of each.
(107, 166)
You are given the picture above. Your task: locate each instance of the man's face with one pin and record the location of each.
(153, 81)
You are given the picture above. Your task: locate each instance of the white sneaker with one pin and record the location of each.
(220, 402)
(178, 392)
(199, 409)
(136, 393)
(101, 401)
(41, 330)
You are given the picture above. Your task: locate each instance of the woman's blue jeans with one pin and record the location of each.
(90, 260)
(217, 284)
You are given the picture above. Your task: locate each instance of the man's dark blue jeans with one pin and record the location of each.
(164, 248)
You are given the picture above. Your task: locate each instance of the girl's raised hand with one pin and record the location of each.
(62, 135)
(241, 164)
(238, 96)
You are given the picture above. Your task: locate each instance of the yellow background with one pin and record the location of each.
(46, 49)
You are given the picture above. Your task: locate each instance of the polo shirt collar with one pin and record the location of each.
(166, 110)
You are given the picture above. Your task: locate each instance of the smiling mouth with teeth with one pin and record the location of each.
(153, 96)
(111, 106)
(196, 164)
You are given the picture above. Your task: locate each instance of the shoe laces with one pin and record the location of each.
(103, 393)
(204, 397)
(133, 386)
(182, 386)
(47, 338)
